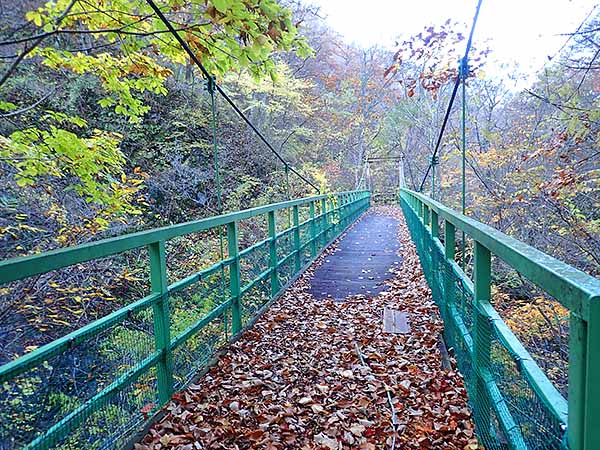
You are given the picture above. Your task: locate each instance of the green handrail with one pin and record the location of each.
(157, 369)
(481, 337)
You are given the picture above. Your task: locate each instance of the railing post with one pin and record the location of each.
(578, 332)
(296, 219)
(348, 210)
(592, 388)
(436, 260)
(234, 277)
(313, 230)
(583, 431)
(482, 338)
(324, 222)
(421, 210)
(450, 254)
(435, 225)
(426, 215)
(273, 263)
(331, 223)
(335, 204)
(162, 335)
(340, 212)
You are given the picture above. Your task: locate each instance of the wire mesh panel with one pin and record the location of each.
(285, 256)
(59, 387)
(507, 391)
(93, 386)
(305, 239)
(255, 280)
(522, 402)
(198, 340)
(539, 321)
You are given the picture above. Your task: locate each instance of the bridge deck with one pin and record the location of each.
(361, 262)
(322, 374)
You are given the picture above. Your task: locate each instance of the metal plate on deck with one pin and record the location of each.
(395, 321)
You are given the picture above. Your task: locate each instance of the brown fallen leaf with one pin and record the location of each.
(292, 383)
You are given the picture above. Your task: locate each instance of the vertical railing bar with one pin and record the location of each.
(592, 376)
(482, 339)
(234, 277)
(162, 338)
(297, 256)
(275, 285)
(449, 254)
(323, 222)
(313, 230)
(435, 225)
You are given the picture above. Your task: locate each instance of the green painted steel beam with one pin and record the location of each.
(573, 288)
(162, 323)
(272, 226)
(580, 410)
(234, 277)
(591, 409)
(296, 222)
(313, 230)
(20, 268)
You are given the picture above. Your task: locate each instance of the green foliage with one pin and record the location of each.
(93, 164)
(225, 35)
(122, 77)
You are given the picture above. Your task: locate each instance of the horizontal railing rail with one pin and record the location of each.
(136, 357)
(513, 400)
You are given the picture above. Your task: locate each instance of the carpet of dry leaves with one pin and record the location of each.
(323, 375)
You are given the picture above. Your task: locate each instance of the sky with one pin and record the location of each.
(524, 32)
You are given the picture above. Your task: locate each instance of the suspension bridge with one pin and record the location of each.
(135, 360)
(131, 375)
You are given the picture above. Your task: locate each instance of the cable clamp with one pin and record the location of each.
(463, 68)
(211, 85)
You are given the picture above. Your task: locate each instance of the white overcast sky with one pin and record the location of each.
(519, 31)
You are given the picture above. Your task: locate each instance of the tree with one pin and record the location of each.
(127, 49)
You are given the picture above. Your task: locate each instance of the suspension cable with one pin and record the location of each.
(210, 87)
(207, 75)
(453, 96)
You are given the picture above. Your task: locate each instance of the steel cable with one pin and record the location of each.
(207, 75)
(461, 75)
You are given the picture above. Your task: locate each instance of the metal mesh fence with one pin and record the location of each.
(255, 280)
(285, 256)
(505, 387)
(61, 386)
(93, 388)
(187, 307)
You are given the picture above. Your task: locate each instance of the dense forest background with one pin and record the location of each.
(105, 128)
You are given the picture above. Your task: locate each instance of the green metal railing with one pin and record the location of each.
(514, 404)
(135, 358)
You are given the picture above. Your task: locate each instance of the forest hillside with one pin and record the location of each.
(107, 128)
